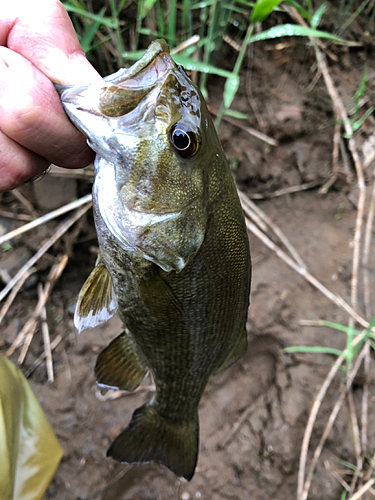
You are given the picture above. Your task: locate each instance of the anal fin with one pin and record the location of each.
(119, 366)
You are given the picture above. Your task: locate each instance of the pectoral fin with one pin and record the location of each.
(96, 301)
(119, 365)
(238, 349)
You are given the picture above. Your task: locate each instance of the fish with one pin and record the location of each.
(174, 256)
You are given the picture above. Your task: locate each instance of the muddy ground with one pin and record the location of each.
(252, 415)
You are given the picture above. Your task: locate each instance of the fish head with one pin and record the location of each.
(155, 141)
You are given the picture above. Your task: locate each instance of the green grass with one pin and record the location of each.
(350, 351)
(120, 31)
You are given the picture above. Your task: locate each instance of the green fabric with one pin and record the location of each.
(29, 449)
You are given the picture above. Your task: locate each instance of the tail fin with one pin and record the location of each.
(151, 438)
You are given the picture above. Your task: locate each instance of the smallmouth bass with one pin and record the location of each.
(174, 253)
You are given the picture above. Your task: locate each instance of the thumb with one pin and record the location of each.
(41, 31)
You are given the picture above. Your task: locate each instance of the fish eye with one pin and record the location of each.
(184, 140)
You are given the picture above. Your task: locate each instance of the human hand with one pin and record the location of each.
(38, 46)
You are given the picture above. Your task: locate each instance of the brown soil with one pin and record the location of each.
(252, 415)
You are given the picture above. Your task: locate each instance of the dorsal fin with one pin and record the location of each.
(96, 301)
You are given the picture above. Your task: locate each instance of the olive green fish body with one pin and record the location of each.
(175, 258)
(186, 323)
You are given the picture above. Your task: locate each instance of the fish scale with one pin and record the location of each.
(174, 251)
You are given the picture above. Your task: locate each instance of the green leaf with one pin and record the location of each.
(315, 20)
(293, 30)
(236, 114)
(88, 36)
(358, 123)
(191, 65)
(303, 12)
(263, 9)
(230, 89)
(94, 17)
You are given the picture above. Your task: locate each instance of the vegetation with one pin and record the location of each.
(110, 36)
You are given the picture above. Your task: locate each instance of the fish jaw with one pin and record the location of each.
(90, 107)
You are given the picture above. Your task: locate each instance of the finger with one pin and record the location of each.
(17, 164)
(48, 40)
(31, 114)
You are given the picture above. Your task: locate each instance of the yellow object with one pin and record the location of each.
(29, 449)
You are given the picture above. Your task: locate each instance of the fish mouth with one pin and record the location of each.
(121, 92)
(125, 89)
(156, 50)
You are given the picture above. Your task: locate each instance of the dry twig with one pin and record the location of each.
(363, 490)
(45, 218)
(302, 495)
(250, 208)
(24, 202)
(26, 334)
(339, 301)
(38, 361)
(11, 215)
(46, 337)
(368, 313)
(286, 190)
(251, 131)
(356, 439)
(61, 229)
(14, 292)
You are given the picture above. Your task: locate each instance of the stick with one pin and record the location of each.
(46, 337)
(187, 43)
(287, 190)
(26, 334)
(368, 313)
(251, 131)
(366, 254)
(62, 228)
(14, 292)
(247, 203)
(363, 490)
(45, 218)
(356, 440)
(339, 301)
(38, 361)
(10, 215)
(25, 202)
(305, 491)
